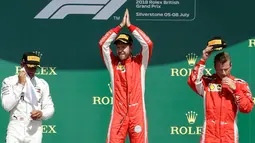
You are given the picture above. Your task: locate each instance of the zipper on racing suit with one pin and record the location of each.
(127, 95)
(221, 96)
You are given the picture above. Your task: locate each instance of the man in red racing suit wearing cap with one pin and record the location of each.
(127, 74)
(223, 96)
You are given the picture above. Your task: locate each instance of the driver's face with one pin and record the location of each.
(30, 71)
(223, 69)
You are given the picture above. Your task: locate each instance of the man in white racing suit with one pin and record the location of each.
(27, 99)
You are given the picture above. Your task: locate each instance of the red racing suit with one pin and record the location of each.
(220, 105)
(128, 87)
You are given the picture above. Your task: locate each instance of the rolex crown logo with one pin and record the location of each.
(38, 53)
(191, 117)
(191, 58)
(110, 87)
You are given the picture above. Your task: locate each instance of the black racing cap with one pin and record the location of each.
(31, 59)
(218, 43)
(124, 38)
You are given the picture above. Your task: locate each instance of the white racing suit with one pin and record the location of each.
(21, 128)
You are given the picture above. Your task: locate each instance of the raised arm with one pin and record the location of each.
(10, 94)
(145, 42)
(106, 40)
(143, 39)
(196, 79)
(11, 90)
(104, 45)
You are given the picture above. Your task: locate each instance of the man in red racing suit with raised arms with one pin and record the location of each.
(127, 74)
(223, 96)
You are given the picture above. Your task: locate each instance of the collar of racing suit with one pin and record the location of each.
(128, 60)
